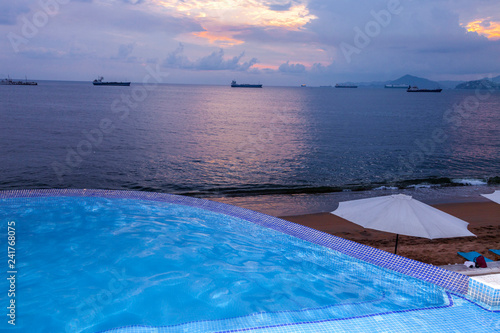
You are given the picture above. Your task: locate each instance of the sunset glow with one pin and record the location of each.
(266, 66)
(282, 42)
(242, 12)
(217, 16)
(223, 38)
(485, 27)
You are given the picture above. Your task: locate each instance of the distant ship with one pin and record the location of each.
(397, 86)
(415, 89)
(9, 82)
(99, 82)
(303, 85)
(345, 86)
(245, 85)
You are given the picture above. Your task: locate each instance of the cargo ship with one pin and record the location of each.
(244, 85)
(9, 82)
(345, 86)
(397, 86)
(416, 89)
(99, 82)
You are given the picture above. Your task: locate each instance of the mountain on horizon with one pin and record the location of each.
(496, 79)
(410, 80)
(479, 84)
(416, 81)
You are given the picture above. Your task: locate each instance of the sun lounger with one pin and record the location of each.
(469, 256)
(496, 253)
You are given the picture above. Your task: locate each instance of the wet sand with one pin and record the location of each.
(483, 218)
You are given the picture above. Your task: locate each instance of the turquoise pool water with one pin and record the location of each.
(88, 264)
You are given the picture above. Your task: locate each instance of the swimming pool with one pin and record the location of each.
(90, 260)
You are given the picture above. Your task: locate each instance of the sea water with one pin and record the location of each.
(214, 141)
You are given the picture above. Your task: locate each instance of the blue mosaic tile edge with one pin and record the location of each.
(451, 281)
(488, 297)
(277, 326)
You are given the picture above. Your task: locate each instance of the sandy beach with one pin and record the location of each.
(483, 218)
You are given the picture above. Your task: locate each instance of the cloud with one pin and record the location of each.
(177, 59)
(292, 68)
(125, 50)
(123, 19)
(222, 38)
(424, 37)
(279, 7)
(318, 68)
(292, 15)
(213, 61)
(42, 53)
(433, 38)
(486, 27)
(10, 11)
(222, 20)
(275, 35)
(134, 2)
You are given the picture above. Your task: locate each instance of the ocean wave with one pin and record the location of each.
(470, 181)
(384, 188)
(249, 190)
(275, 189)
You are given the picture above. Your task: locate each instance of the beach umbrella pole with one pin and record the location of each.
(396, 248)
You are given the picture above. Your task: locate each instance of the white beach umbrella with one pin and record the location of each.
(495, 196)
(402, 215)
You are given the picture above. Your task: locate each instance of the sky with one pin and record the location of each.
(273, 42)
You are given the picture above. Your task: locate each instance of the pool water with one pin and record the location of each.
(88, 264)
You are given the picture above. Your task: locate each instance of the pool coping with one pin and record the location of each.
(451, 281)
